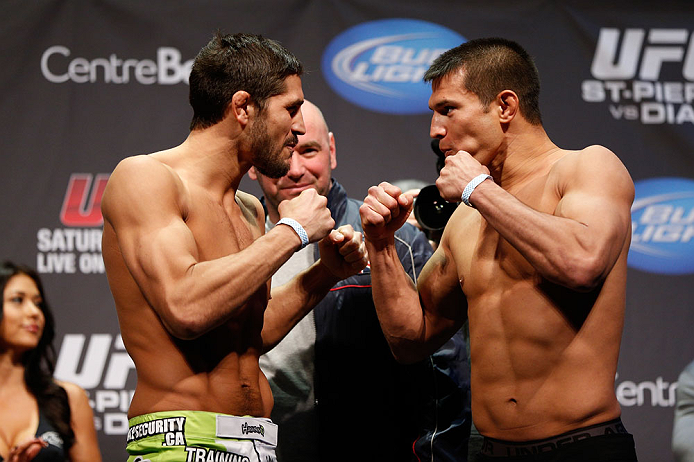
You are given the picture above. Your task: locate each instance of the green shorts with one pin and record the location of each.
(196, 436)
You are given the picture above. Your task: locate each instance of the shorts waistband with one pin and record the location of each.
(202, 424)
(500, 448)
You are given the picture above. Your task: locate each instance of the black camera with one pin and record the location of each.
(430, 209)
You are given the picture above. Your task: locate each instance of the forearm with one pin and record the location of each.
(397, 302)
(561, 249)
(294, 300)
(211, 292)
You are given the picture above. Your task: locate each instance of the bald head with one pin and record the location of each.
(313, 116)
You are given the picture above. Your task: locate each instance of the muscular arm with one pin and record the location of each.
(145, 206)
(415, 320)
(579, 243)
(292, 301)
(342, 255)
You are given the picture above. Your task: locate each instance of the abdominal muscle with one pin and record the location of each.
(534, 375)
(216, 372)
(232, 388)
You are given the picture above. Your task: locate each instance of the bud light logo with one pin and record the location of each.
(663, 226)
(379, 65)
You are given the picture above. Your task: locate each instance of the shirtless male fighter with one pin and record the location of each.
(536, 259)
(189, 263)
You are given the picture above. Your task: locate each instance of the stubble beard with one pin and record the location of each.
(267, 159)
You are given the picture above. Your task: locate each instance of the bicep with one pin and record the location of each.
(156, 244)
(597, 193)
(157, 255)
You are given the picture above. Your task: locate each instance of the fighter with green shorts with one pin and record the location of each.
(189, 263)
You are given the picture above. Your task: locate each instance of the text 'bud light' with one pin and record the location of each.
(379, 65)
(662, 219)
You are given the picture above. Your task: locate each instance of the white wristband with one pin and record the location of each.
(296, 226)
(471, 187)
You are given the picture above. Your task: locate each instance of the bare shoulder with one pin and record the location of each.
(141, 171)
(593, 164)
(251, 208)
(593, 157)
(138, 178)
(86, 445)
(136, 166)
(75, 393)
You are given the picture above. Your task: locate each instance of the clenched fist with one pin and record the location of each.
(460, 168)
(342, 252)
(384, 211)
(310, 209)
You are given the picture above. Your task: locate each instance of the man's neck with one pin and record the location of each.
(521, 156)
(211, 159)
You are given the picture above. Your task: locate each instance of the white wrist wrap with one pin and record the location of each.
(296, 226)
(471, 187)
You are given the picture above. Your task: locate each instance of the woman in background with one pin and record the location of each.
(41, 419)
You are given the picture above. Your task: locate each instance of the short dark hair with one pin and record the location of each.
(39, 363)
(491, 65)
(231, 63)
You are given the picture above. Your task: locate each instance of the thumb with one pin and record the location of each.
(336, 236)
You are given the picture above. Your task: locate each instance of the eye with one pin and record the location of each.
(293, 110)
(17, 299)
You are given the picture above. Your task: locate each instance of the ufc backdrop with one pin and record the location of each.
(87, 83)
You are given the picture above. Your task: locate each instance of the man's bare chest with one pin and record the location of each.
(494, 259)
(220, 230)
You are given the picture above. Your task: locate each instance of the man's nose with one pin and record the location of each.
(296, 165)
(298, 126)
(437, 129)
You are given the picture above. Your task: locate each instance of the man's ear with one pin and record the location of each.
(333, 151)
(508, 105)
(241, 107)
(252, 174)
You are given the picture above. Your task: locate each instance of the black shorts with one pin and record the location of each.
(606, 442)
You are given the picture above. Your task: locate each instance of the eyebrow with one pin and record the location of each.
(444, 102)
(22, 293)
(309, 144)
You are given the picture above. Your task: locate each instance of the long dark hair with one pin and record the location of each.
(39, 363)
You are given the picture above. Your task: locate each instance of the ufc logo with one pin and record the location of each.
(662, 45)
(96, 356)
(82, 203)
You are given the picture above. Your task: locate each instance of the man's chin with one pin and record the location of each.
(274, 171)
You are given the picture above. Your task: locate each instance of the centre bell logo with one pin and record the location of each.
(379, 65)
(663, 226)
